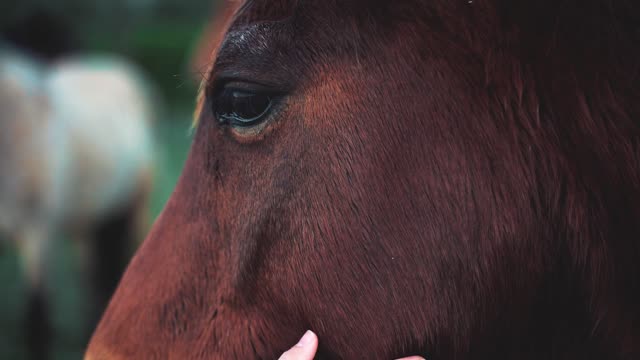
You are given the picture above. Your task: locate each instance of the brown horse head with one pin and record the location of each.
(458, 179)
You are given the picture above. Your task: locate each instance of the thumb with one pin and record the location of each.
(305, 349)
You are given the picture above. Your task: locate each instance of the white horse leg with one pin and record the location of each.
(34, 245)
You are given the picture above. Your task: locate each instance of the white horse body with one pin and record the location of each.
(105, 117)
(22, 143)
(77, 142)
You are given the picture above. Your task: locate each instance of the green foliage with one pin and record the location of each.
(161, 48)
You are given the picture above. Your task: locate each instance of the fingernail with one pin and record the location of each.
(306, 340)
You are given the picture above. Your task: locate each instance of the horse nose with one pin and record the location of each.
(94, 353)
(89, 356)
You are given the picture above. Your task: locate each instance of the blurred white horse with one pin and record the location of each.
(75, 161)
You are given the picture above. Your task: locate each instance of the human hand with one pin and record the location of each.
(307, 346)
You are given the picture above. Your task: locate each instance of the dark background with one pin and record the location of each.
(157, 35)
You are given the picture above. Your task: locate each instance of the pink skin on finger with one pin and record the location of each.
(307, 346)
(305, 349)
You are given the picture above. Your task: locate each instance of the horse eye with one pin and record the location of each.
(242, 108)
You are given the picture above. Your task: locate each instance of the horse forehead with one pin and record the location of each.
(255, 11)
(252, 37)
(260, 26)
(317, 11)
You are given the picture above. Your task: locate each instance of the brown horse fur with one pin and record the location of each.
(456, 179)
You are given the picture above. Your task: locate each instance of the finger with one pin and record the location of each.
(305, 349)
